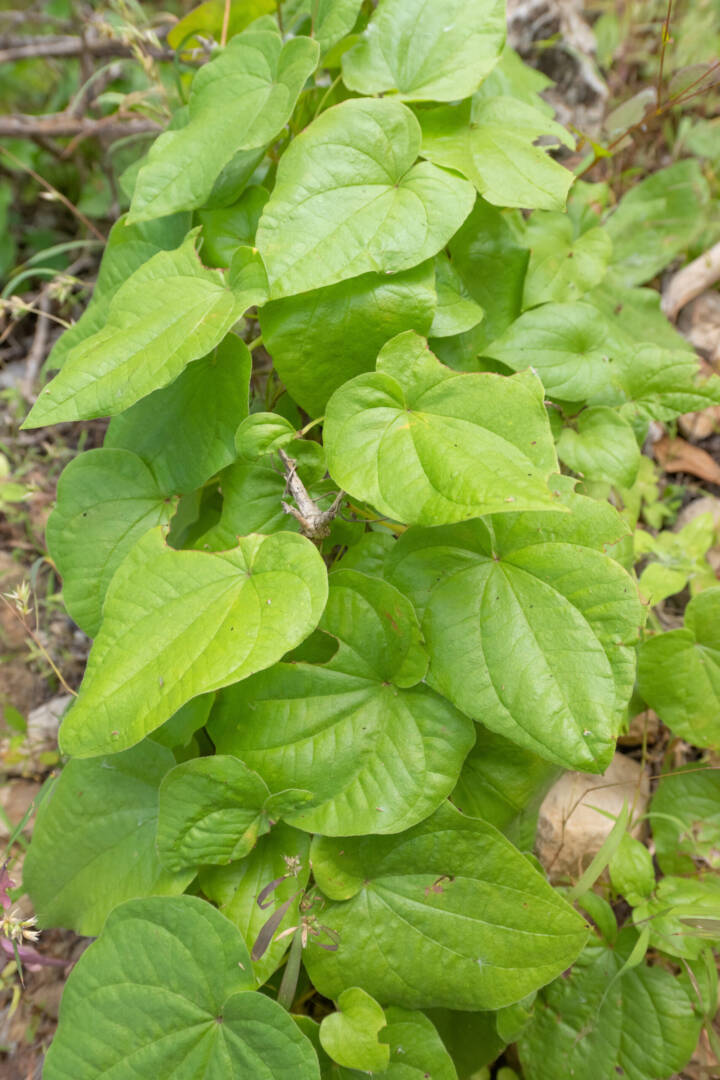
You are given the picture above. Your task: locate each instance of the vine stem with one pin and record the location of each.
(326, 95)
(225, 24)
(288, 986)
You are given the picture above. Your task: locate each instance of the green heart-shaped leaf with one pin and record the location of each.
(186, 431)
(679, 673)
(239, 101)
(212, 811)
(103, 815)
(491, 141)
(448, 913)
(603, 447)
(437, 52)
(181, 623)
(107, 500)
(424, 444)
(375, 210)
(533, 585)
(378, 751)
(350, 1036)
(594, 1023)
(170, 312)
(164, 992)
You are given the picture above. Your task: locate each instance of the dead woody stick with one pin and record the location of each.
(314, 522)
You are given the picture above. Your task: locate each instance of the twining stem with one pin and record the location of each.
(326, 95)
(308, 427)
(288, 986)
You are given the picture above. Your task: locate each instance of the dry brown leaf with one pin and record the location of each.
(700, 425)
(677, 455)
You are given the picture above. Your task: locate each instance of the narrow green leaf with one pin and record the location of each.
(350, 1035)
(631, 869)
(182, 623)
(374, 210)
(459, 45)
(239, 101)
(424, 444)
(102, 815)
(604, 855)
(281, 853)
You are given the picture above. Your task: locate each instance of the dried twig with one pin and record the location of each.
(692, 280)
(43, 46)
(54, 191)
(314, 522)
(37, 351)
(61, 125)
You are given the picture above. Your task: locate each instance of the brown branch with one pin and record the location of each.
(32, 47)
(60, 125)
(20, 18)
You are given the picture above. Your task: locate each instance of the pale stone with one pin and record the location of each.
(570, 833)
(16, 798)
(43, 724)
